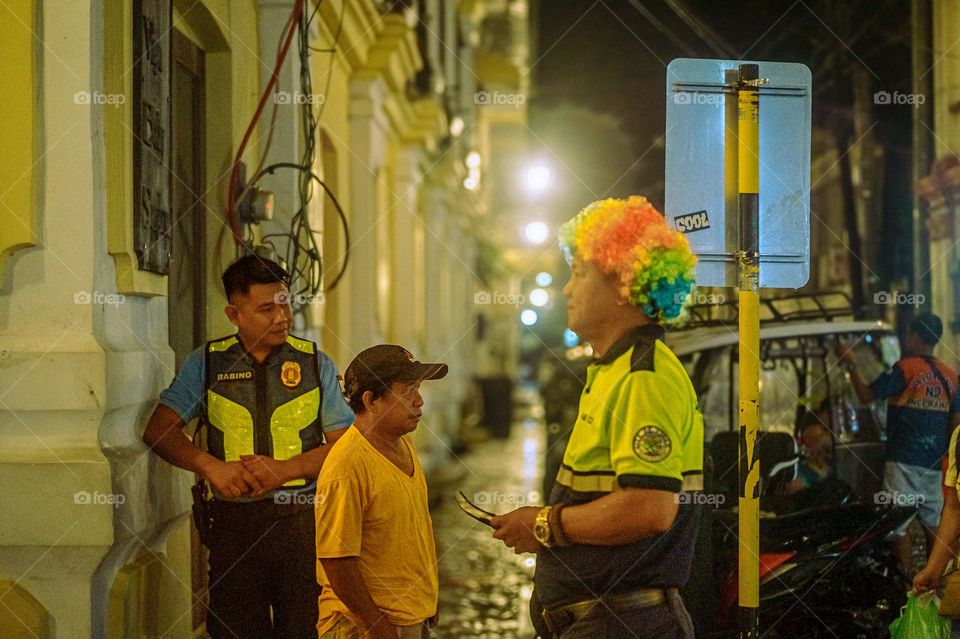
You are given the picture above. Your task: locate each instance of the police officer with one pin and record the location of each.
(616, 540)
(271, 407)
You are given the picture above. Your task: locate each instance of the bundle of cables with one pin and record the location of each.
(301, 253)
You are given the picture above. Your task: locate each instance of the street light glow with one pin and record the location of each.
(536, 232)
(539, 297)
(529, 317)
(472, 181)
(544, 279)
(538, 178)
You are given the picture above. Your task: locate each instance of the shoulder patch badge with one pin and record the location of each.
(652, 444)
(290, 374)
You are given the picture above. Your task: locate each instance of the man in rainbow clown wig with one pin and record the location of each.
(615, 542)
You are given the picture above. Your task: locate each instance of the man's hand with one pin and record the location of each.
(270, 473)
(843, 352)
(845, 356)
(515, 529)
(927, 579)
(231, 479)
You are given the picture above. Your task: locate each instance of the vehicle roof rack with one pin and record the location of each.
(797, 307)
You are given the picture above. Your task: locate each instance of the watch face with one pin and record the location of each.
(541, 532)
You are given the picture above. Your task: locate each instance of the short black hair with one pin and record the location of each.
(927, 327)
(355, 401)
(249, 270)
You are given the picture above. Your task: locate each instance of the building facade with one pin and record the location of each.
(96, 536)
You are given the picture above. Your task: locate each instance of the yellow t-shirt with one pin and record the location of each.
(366, 507)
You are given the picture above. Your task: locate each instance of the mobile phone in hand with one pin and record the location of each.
(473, 510)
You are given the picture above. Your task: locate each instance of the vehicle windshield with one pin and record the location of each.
(799, 379)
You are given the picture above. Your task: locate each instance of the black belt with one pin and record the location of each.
(560, 618)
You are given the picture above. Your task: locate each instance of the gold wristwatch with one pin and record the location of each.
(541, 527)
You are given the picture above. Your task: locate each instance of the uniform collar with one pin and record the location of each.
(252, 360)
(631, 337)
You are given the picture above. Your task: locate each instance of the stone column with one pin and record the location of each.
(434, 215)
(944, 254)
(368, 139)
(81, 367)
(403, 209)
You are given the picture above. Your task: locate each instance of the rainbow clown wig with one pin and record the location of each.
(630, 239)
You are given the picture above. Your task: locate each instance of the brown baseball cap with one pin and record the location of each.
(381, 365)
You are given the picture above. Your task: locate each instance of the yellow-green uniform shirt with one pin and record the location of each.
(639, 426)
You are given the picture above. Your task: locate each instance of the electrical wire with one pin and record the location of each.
(703, 31)
(662, 28)
(302, 254)
(305, 259)
(273, 115)
(232, 216)
(299, 216)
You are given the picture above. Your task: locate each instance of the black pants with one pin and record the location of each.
(263, 580)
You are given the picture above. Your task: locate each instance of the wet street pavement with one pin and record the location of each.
(484, 587)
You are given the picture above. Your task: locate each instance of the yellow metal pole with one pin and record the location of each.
(748, 260)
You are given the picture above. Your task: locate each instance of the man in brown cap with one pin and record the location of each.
(377, 557)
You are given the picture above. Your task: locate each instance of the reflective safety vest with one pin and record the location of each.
(270, 409)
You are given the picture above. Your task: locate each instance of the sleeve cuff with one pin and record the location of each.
(187, 418)
(338, 426)
(656, 482)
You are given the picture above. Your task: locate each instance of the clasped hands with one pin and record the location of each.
(251, 476)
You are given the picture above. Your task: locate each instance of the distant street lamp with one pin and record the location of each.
(544, 279)
(536, 232)
(539, 297)
(537, 178)
(472, 181)
(529, 317)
